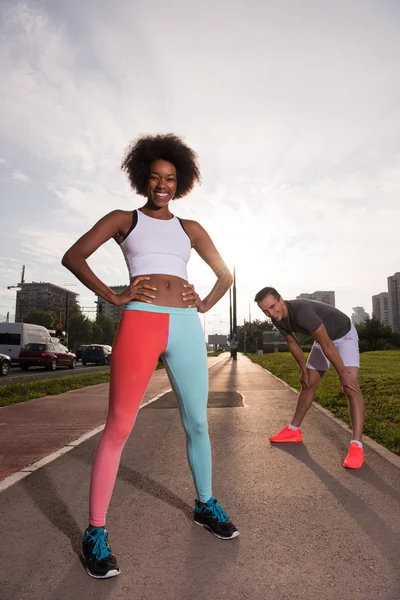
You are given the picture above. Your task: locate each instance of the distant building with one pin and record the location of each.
(218, 341)
(394, 301)
(359, 315)
(106, 309)
(320, 296)
(380, 308)
(43, 296)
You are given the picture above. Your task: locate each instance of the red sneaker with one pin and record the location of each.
(355, 457)
(287, 435)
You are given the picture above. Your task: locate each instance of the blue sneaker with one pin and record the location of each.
(213, 517)
(100, 563)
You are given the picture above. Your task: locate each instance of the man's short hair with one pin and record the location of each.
(266, 292)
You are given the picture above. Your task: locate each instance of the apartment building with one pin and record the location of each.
(40, 295)
(394, 301)
(380, 307)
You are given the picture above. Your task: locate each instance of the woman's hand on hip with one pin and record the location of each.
(193, 299)
(137, 290)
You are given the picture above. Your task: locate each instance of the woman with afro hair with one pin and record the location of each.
(160, 319)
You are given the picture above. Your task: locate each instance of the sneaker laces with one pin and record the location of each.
(217, 510)
(101, 549)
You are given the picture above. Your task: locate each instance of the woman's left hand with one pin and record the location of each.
(193, 299)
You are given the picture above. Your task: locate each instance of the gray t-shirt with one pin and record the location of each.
(306, 316)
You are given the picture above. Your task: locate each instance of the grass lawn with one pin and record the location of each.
(380, 385)
(21, 392)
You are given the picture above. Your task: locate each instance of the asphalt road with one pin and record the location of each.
(309, 529)
(16, 375)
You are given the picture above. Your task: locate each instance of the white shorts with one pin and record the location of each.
(347, 346)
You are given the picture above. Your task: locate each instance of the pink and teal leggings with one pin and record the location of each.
(145, 332)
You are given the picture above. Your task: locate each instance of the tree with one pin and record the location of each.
(254, 335)
(45, 318)
(79, 330)
(109, 328)
(373, 332)
(97, 334)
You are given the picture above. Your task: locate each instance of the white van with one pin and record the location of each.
(14, 336)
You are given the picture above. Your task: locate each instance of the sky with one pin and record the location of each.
(292, 107)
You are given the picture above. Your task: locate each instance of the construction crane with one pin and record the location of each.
(9, 287)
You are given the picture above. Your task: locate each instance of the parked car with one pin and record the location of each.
(80, 350)
(5, 362)
(97, 353)
(15, 336)
(50, 356)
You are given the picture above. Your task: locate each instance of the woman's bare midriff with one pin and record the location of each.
(169, 290)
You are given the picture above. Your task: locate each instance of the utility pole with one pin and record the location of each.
(230, 313)
(66, 318)
(234, 319)
(249, 328)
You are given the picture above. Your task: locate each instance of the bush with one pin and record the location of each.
(364, 346)
(381, 344)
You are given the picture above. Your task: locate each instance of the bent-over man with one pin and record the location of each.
(336, 342)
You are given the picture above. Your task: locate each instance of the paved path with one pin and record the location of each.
(32, 430)
(309, 528)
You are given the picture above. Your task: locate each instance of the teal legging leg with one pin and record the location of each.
(186, 362)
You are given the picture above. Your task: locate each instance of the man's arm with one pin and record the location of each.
(329, 349)
(297, 353)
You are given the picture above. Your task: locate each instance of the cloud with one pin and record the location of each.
(292, 109)
(19, 176)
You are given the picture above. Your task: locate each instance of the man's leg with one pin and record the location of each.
(355, 456)
(356, 407)
(306, 396)
(350, 355)
(292, 431)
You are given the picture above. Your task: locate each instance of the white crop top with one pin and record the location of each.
(155, 246)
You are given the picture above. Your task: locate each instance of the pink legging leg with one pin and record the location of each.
(141, 338)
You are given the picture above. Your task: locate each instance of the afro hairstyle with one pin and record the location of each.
(141, 154)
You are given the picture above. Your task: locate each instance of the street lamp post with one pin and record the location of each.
(230, 313)
(66, 318)
(234, 319)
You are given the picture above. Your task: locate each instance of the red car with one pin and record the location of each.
(50, 356)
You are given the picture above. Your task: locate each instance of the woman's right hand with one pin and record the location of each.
(137, 290)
